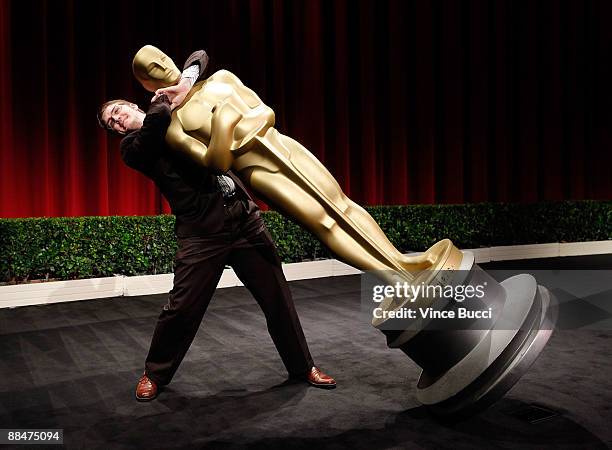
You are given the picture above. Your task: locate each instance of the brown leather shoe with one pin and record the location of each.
(318, 379)
(146, 389)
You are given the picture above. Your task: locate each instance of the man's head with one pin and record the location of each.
(154, 69)
(120, 116)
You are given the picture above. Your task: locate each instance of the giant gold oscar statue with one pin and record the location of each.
(222, 125)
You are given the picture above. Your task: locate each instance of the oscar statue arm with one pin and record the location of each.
(180, 141)
(224, 120)
(218, 154)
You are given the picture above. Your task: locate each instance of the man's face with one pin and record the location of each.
(122, 117)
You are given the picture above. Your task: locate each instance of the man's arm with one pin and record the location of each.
(143, 147)
(199, 58)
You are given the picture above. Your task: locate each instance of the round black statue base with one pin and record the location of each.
(457, 394)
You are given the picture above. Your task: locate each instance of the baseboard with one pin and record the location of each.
(93, 288)
(61, 291)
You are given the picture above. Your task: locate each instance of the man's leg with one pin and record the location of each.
(178, 323)
(259, 268)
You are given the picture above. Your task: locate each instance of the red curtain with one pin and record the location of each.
(403, 101)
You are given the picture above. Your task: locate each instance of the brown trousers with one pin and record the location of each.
(245, 244)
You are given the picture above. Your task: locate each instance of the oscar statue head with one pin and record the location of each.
(154, 69)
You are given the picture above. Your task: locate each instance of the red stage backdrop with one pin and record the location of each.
(404, 101)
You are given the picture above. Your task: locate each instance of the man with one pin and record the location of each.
(217, 223)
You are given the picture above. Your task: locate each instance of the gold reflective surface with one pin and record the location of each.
(154, 69)
(222, 124)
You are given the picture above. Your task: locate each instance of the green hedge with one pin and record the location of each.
(85, 247)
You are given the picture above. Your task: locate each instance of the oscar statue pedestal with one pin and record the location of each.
(472, 351)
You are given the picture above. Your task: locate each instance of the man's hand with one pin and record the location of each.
(176, 94)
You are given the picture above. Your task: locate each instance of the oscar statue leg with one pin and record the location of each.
(289, 177)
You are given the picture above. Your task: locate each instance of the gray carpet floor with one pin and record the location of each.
(74, 366)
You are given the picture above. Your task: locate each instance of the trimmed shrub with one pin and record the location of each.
(85, 247)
